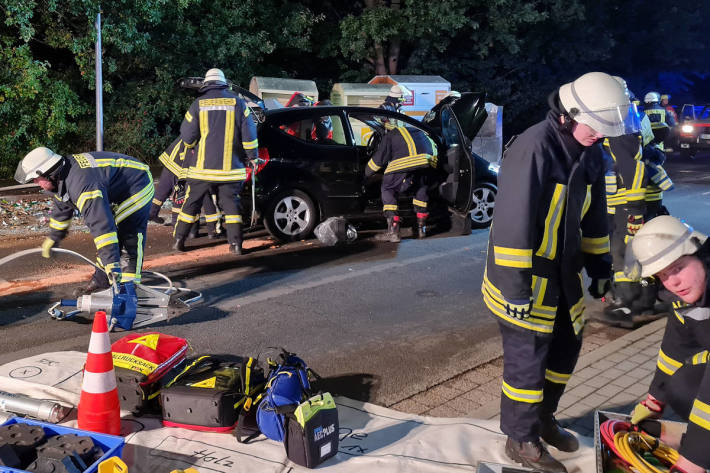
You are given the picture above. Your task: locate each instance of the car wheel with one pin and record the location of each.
(291, 215)
(483, 203)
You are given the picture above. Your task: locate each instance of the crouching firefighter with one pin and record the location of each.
(407, 156)
(227, 140)
(679, 257)
(111, 191)
(550, 222)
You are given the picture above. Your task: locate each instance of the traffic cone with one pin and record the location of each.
(99, 410)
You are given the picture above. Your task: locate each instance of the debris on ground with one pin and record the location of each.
(26, 214)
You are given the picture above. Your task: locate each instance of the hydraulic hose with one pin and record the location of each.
(633, 447)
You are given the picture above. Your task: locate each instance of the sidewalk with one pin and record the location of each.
(613, 376)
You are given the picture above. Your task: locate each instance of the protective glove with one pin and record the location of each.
(649, 408)
(599, 287)
(518, 308)
(47, 246)
(113, 273)
(634, 224)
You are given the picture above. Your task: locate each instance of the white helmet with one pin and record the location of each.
(215, 75)
(652, 97)
(395, 91)
(36, 163)
(661, 241)
(599, 101)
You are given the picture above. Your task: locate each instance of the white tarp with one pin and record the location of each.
(372, 438)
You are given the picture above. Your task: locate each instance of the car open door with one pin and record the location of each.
(470, 111)
(457, 163)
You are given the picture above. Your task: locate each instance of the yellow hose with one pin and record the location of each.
(631, 446)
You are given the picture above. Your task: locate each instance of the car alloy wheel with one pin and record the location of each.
(483, 203)
(292, 216)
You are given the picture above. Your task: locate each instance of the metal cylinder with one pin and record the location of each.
(45, 410)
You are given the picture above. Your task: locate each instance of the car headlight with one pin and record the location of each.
(494, 167)
(687, 128)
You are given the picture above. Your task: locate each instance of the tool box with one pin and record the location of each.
(104, 445)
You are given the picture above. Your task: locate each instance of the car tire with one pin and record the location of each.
(291, 215)
(482, 204)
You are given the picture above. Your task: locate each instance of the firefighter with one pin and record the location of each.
(550, 222)
(407, 155)
(394, 99)
(679, 256)
(227, 140)
(172, 181)
(111, 191)
(661, 120)
(669, 108)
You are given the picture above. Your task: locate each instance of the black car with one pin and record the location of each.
(694, 125)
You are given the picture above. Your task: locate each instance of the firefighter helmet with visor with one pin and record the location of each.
(36, 163)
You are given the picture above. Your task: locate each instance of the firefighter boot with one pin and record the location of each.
(533, 455)
(194, 230)
(392, 233)
(179, 244)
(649, 305)
(621, 310)
(421, 227)
(98, 282)
(235, 241)
(153, 215)
(552, 433)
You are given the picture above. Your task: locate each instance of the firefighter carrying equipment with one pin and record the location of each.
(36, 163)
(599, 101)
(659, 243)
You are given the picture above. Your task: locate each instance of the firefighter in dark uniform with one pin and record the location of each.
(220, 120)
(175, 160)
(111, 191)
(550, 222)
(661, 120)
(407, 156)
(680, 258)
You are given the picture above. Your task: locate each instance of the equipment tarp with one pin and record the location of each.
(372, 438)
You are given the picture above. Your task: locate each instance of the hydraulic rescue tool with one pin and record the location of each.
(127, 305)
(41, 409)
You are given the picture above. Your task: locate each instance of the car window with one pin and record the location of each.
(364, 125)
(705, 114)
(326, 129)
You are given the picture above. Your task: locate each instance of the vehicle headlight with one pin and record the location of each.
(687, 128)
(494, 167)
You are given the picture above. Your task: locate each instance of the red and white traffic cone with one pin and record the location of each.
(99, 410)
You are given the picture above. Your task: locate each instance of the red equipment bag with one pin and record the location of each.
(141, 361)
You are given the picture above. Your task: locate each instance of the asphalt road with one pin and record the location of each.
(380, 321)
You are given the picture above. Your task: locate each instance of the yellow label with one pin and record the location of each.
(133, 363)
(151, 341)
(82, 160)
(207, 383)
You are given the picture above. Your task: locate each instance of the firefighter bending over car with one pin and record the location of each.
(550, 222)
(219, 125)
(407, 156)
(111, 191)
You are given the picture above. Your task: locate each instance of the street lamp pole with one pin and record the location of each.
(99, 89)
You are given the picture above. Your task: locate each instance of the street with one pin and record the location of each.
(382, 322)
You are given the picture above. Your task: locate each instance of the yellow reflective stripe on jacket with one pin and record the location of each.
(496, 303)
(239, 174)
(700, 358)
(171, 165)
(587, 200)
(204, 132)
(512, 257)
(667, 364)
(539, 288)
(531, 396)
(596, 246)
(188, 116)
(59, 225)
(371, 164)
(105, 240)
(639, 174)
(419, 203)
(232, 219)
(122, 163)
(557, 378)
(135, 202)
(700, 414)
(408, 140)
(228, 139)
(408, 162)
(576, 312)
(85, 196)
(548, 247)
(250, 144)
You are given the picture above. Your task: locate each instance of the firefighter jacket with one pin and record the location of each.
(403, 149)
(659, 116)
(105, 188)
(174, 158)
(625, 173)
(220, 120)
(550, 222)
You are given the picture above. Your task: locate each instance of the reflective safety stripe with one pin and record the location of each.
(183, 217)
(619, 276)
(247, 111)
(139, 259)
(512, 257)
(134, 203)
(419, 203)
(130, 277)
(105, 240)
(59, 225)
(228, 139)
(700, 358)
(558, 378)
(99, 343)
(596, 246)
(531, 396)
(411, 147)
(587, 200)
(250, 144)
(548, 247)
(188, 116)
(212, 217)
(680, 318)
(700, 414)
(232, 219)
(539, 288)
(371, 164)
(204, 132)
(496, 303)
(122, 163)
(639, 174)
(157, 202)
(667, 364)
(97, 383)
(202, 174)
(85, 196)
(389, 207)
(576, 313)
(408, 162)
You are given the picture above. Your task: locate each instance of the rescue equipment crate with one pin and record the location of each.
(669, 428)
(110, 445)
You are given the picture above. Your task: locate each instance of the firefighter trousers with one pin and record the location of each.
(166, 186)
(689, 396)
(536, 370)
(228, 199)
(395, 183)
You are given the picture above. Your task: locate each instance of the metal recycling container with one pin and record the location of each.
(356, 94)
(426, 91)
(281, 89)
